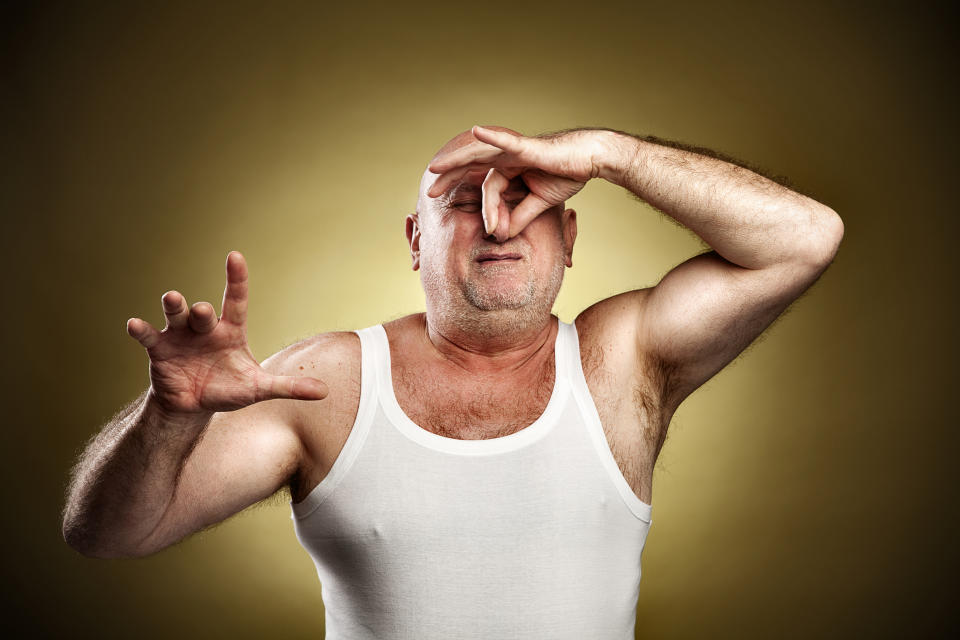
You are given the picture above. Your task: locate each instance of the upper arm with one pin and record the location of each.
(707, 310)
(243, 456)
(667, 340)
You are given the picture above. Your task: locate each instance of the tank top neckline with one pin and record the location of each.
(525, 436)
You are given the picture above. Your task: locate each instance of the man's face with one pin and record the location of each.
(459, 263)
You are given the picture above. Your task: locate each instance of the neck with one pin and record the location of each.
(491, 341)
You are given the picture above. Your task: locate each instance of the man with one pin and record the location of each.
(480, 470)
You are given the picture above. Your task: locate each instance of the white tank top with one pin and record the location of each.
(418, 536)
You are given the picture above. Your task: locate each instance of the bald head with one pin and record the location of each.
(462, 139)
(465, 288)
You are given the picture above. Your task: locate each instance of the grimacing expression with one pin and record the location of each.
(460, 264)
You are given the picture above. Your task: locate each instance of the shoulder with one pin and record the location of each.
(334, 358)
(611, 328)
(321, 353)
(613, 351)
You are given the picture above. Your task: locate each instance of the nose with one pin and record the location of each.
(501, 233)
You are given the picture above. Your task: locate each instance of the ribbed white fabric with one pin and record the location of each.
(532, 535)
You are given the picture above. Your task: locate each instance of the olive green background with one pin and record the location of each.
(805, 491)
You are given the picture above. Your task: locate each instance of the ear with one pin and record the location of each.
(568, 222)
(413, 237)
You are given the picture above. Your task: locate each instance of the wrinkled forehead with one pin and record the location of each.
(472, 180)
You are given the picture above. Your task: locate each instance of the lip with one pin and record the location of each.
(491, 257)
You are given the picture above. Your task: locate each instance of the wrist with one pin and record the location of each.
(619, 158)
(155, 411)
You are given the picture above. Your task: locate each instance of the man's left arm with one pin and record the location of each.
(769, 244)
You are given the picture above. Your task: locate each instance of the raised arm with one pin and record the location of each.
(769, 244)
(212, 434)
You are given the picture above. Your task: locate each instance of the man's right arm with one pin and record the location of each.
(122, 482)
(128, 496)
(208, 399)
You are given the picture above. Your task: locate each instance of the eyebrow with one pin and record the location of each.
(459, 189)
(465, 188)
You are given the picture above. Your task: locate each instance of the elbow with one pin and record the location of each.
(834, 234)
(80, 540)
(824, 238)
(84, 542)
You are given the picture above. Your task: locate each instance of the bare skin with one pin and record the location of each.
(217, 432)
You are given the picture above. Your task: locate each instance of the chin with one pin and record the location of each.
(500, 298)
(515, 293)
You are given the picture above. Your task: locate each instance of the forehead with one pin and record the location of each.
(472, 179)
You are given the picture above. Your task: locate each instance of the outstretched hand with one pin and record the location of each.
(201, 364)
(554, 169)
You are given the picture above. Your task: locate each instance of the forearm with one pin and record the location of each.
(125, 479)
(747, 218)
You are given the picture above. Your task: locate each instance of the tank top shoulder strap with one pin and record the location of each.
(376, 348)
(567, 350)
(591, 418)
(376, 355)
(369, 348)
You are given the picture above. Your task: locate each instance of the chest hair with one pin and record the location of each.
(472, 409)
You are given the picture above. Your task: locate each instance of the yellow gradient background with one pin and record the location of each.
(806, 491)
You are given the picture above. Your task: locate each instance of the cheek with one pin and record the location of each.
(549, 221)
(545, 234)
(461, 234)
(439, 248)
(451, 234)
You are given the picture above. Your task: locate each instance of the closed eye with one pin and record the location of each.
(473, 206)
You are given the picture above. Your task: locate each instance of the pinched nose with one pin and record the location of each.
(501, 233)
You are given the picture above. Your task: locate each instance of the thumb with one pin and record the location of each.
(291, 387)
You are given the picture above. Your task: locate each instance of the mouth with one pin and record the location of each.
(498, 258)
